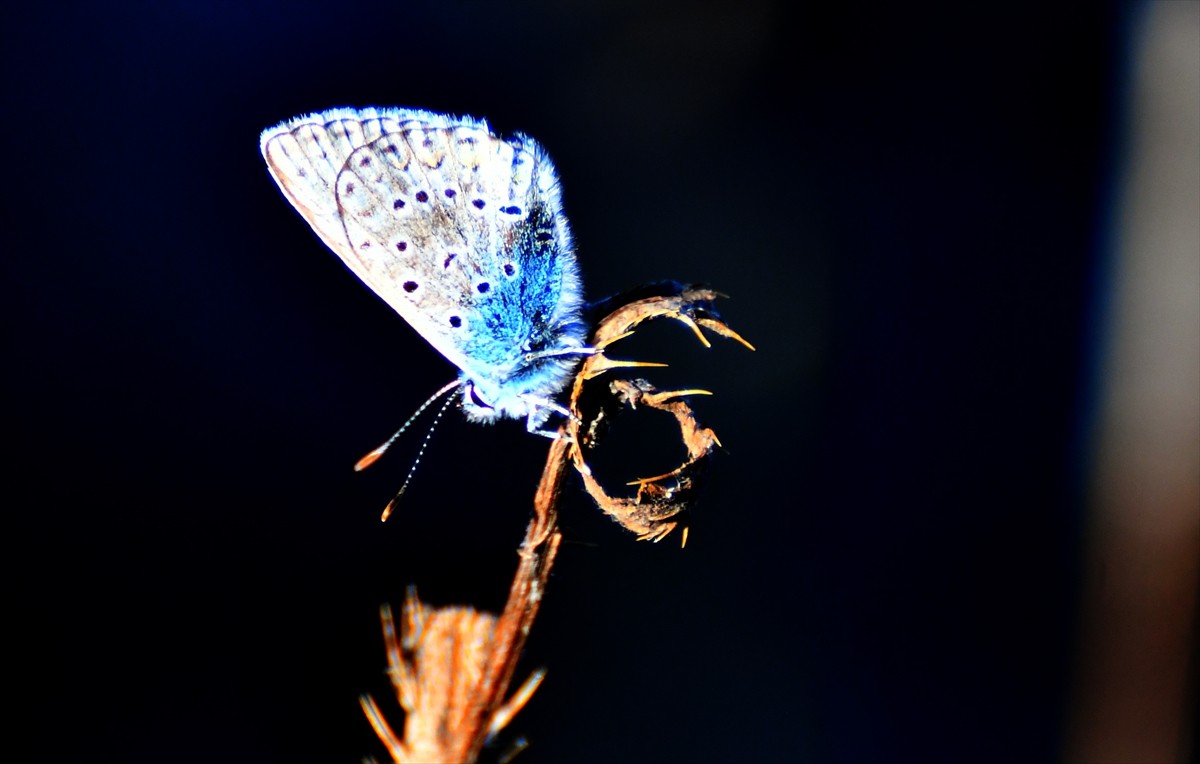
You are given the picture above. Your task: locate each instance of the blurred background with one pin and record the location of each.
(957, 516)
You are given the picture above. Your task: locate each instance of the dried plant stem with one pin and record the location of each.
(537, 554)
(452, 666)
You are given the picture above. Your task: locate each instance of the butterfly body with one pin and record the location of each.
(459, 230)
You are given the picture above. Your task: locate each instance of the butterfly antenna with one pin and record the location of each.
(420, 452)
(372, 457)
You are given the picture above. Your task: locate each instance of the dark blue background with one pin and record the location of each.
(909, 209)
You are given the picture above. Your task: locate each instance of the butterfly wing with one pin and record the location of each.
(459, 230)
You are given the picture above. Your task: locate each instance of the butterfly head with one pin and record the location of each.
(526, 392)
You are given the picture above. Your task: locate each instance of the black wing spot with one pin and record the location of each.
(483, 287)
(402, 245)
(366, 162)
(479, 204)
(410, 286)
(511, 210)
(509, 270)
(350, 188)
(422, 197)
(449, 258)
(398, 204)
(455, 321)
(450, 193)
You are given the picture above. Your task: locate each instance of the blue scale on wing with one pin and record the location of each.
(514, 314)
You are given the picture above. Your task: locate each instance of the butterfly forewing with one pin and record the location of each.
(417, 206)
(461, 231)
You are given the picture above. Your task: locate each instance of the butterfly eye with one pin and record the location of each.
(477, 400)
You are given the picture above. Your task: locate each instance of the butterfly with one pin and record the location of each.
(461, 231)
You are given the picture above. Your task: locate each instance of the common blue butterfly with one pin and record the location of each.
(461, 231)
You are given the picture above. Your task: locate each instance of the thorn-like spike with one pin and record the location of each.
(611, 340)
(724, 331)
(666, 395)
(380, 725)
(612, 363)
(506, 712)
(686, 319)
(649, 480)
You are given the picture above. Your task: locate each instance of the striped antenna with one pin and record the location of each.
(372, 457)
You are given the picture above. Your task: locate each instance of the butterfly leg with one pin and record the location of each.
(538, 413)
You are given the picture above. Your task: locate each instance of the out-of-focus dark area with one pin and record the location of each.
(957, 515)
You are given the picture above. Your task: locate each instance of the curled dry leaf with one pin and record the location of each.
(652, 513)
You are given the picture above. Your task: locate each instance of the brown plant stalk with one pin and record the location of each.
(452, 666)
